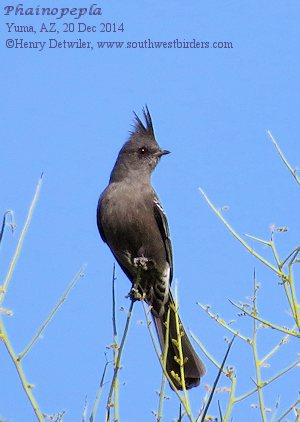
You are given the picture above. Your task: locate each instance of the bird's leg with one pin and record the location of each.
(136, 292)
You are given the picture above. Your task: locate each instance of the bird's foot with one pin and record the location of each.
(135, 295)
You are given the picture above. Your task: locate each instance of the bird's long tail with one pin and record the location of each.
(193, 367)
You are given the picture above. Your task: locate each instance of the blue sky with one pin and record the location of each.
(67, 112)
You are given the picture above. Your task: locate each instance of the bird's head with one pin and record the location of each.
(141, 153)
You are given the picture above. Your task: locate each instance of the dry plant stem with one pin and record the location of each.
(289, 288)
(269, 243)
(293, 254)
(3, 288)
(221, 369)
(256, 359)
(54, 310)
(115, 334)
(164, 362)
(295, 304)
(180, 416)
(283, 341)
(156, 348)
(114, 318)
(245, 244)
(288, 281)
(12, 223)
(98, 395)
(290, 291)
(293, 171)
(170, 380)
(232, 399)
(223, 323)
(267, 382)
(26, 385)
(216, 382)
(207, 354)
(284, 371)
(83, 419)
(181, 357)
(220, 411)
(118, 361)
(275, 253)
(228, 374)
(204, 401)
(6, 312)
(288, 411)
(275, 411)
(265, 322)
(161, 398)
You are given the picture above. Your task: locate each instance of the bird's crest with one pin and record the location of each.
(143, 129)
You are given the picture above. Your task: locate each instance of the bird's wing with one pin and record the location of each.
(163, 226)
(99, 224)
(101, 232)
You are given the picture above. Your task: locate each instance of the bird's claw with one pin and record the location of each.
(135, 295)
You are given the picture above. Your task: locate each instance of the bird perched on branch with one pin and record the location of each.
(132, 222)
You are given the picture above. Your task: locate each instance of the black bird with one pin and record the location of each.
(132, 222)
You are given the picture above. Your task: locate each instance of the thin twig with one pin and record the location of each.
(223, 323)
(12, 223)
(118, 361)
(170, 380)
(4, 287)
(296, 250)
(164, 362)
(295, 304)
(220, 411)
(178, 345)
(245, 244)
(257, 362)
(216, 381)
(98, 395)
(26, 385)
(54, 310)
(232, 399)
(207, 354)
(115, 347)
(114, 302)
(284, 371)
(269, 243)
(284, 340)
(265, 322)
(267, 382)
(288, 410)
(292, 171)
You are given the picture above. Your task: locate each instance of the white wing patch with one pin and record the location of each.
(158, 204)
(165, 277)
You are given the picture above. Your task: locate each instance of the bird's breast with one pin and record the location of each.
(127, 217)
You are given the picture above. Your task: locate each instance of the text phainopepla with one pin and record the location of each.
(132, 222)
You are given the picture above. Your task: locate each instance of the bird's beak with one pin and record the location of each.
(163, 152)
